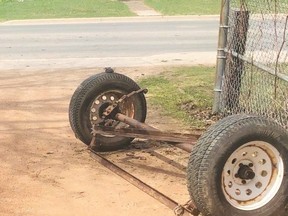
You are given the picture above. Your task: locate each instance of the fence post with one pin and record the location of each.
(235, 66)
(221, 56)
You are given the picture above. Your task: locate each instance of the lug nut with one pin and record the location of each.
(104, 97)
(97, 102)
(94, 118)
(93, 110)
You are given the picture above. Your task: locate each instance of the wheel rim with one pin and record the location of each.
(102, 101)
(252, 175)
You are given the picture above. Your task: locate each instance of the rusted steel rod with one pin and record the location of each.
(134, 123)
(185, 146)
(182, 141)
(157, 134)
(140, 133)
(144, 187)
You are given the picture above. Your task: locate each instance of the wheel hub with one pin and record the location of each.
(245, 172)
(100, 104)
(106, 105)
(252, 175)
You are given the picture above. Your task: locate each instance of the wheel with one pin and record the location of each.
(239, 167)
(94, 95)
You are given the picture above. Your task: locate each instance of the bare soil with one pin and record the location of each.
(140, 8)
(45, 170)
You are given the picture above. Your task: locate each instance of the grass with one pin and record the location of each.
(183, 93)
(40, 9)
(37, 9)
(185, 7)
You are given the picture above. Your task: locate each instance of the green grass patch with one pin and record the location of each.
(185, 7)
(183, 93)
(38, 9)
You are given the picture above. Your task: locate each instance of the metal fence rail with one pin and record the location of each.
(252, 67)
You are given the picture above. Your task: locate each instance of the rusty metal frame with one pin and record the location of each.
(141, 130)
(145, 131)
(186, 209)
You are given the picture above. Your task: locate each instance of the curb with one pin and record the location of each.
(109, 19)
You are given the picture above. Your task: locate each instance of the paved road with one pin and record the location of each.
(123, 42)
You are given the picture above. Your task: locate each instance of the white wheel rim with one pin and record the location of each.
(241, 189)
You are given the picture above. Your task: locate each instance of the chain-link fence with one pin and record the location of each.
(252, 67)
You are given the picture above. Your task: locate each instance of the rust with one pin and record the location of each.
(131, 94)
(184, 146)
(142, 130)
(186, 209)
(182, 141)
(134, 123)
(139, 129)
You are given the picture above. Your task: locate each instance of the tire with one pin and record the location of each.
(86, 94)
(239, 167)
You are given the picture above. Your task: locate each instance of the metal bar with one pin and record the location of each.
(143, 186)
(258, 65)
(221, 56)
(182, 141)
(146, 131)
(131, 94)
(235, 66)
(185, 146)
(145, 134)
(134, 123)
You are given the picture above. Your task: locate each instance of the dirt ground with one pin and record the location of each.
(45, 170)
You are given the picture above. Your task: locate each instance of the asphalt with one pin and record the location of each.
(100, 42)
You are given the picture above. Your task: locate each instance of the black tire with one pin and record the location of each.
(85, 94)
(207, 167)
